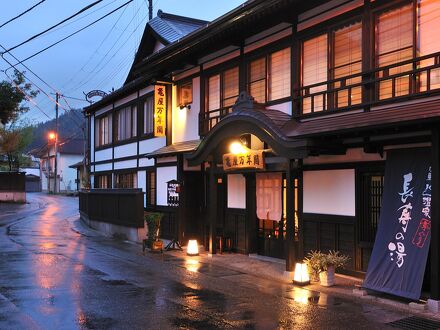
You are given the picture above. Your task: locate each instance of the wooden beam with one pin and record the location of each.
(212, 208)
(251, 213)
(290, 218)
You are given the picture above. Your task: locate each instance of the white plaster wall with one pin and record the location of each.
(126, 99)
(147, 146)
(164, 174)
(329, 192)
(126, 150)
(92, 181)
(236, 191)
(255, 42)
(104, 154)
(285, 107)
(142, 182)
(126, 164)
(67, 174)
(146, 162)
(103, 167)
(185, 121)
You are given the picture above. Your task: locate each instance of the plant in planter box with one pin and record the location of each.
(153, 220)
(323, 265)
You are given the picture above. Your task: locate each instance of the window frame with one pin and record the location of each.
(97, 123)
(266, 53)
(221, 73)
(150, 190)
(142, 127)
(115, 122)
(132, 172)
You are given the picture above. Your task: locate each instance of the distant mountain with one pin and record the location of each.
(70, 126)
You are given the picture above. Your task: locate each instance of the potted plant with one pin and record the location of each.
(323, 265)
(153, 242)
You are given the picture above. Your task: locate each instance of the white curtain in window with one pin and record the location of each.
(269, 196)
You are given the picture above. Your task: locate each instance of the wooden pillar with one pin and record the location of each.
(212, 208)
(300, 243)
(181, 210)
(290, 218)
(251, 213)
(435, 214)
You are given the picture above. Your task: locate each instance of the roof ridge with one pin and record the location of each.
(187, 19)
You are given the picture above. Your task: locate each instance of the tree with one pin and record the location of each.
(13, 141)
(12, 95)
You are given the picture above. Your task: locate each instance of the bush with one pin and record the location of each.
(318, 262)
(153, 220)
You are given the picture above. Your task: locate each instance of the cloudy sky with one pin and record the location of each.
(99, 57)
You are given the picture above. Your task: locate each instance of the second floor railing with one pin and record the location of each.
(403, 80)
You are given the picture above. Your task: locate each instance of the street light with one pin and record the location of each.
(52, 137)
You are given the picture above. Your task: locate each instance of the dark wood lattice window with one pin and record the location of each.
(151, 188)
(371, 201)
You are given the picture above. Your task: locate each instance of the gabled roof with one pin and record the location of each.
(170, 28)
(165, 28)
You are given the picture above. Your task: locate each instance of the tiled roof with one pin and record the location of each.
(175, 148)
(172, 27)
(396, 115)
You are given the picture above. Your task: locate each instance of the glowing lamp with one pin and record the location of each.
(52, 136)
(237, 148)
(301, 276)
(192, 249)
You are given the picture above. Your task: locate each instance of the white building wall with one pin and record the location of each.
(329, 192)
(236, 191)
(285, 107)
(104, 154)
(68, 175)
(126, 150)
(186, 121)
(103, 167)
(125, 164)
(164, 174)
(142, 183)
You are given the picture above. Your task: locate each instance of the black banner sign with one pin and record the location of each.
(398, 261)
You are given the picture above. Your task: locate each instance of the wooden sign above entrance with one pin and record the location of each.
(159, 110)
(251, 159)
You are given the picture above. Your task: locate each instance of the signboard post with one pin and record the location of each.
(173, 193)
(160, 100)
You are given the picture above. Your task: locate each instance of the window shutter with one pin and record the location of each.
(279, 82)
(214, 92)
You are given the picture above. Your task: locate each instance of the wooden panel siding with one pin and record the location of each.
(12, 181)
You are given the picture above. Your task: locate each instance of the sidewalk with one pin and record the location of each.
(273, 270)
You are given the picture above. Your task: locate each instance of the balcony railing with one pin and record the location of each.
(404, 80)
(400, 81)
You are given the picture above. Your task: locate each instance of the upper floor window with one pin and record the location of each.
(269, 76)
(400, 38)
(126, 180)
(185, 94)
(222, 89)
(126, 123)
(148, 116)
(332, 55)
(103, 130)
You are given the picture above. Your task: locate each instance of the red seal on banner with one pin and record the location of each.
(422, 233)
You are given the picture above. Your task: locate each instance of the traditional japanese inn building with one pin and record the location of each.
(269, 131)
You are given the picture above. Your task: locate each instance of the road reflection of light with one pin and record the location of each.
(301, 296)
(192, 265)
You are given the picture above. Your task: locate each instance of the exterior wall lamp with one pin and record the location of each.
(185, 106)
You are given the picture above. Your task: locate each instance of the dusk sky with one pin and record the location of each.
(98, 57)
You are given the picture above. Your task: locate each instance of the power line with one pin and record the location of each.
(54, 26)
(23, 13)
(96, 50)
(76, 32)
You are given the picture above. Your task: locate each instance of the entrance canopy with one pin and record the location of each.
(250, 117)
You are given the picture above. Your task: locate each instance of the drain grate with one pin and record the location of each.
(414, 323)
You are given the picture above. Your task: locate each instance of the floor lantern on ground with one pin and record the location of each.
(192, 248)
(301, 276)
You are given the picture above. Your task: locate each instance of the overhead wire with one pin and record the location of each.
(74, 33)
(96, 50)
(21, 14)
(54, 26)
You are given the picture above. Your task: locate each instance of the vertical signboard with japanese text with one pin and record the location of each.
(400, 251)
(160, 100)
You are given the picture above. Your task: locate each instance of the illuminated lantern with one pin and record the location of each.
(301, 276)
(192, 248)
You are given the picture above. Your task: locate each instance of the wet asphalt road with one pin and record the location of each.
(52, 277)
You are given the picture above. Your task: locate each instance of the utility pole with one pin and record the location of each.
(150, 10)
(56, 144)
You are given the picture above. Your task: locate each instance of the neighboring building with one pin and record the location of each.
(69, 153)
(81, 176)
(33, 175)
(321, 92)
